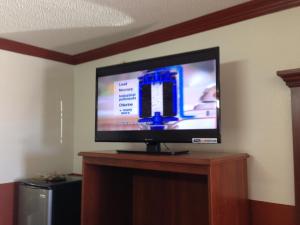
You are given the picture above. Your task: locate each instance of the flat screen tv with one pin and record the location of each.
(174, 98)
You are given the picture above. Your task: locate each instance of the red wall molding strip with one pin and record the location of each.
(248, 10)
(8, 204)
(290, 77)
(264, 213)
(261, 213)
(26, 49)
(221, 18)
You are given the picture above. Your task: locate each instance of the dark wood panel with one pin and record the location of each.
(26, 49)
(229, 194)
(107, 196)
(292, 79)
(265, 213)
(296, 142)
(8, 204)
(170, 199)
(221, 18)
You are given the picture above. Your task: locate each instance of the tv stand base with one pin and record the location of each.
(153, 148)
(166, 152)
(199, 188)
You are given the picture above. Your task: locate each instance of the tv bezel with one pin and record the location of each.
(165, 136)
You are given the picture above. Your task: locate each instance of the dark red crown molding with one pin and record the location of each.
(214, 20)
(290, 77)
(221, 18)
(26, 49)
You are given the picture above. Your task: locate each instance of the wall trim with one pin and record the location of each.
(261, 213)
(8, 198)
(290, 77)
(266, 213)
(241, 12)
(214, 20)
(31, 50)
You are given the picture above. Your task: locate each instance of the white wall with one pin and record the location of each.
(30, 92)
(256, 116)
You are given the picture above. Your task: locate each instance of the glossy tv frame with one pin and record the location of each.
(172, 99)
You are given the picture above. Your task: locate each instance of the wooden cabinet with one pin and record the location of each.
(194, 189)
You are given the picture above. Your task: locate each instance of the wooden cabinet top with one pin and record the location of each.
(194, 158)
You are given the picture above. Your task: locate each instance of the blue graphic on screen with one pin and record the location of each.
(165, 79)
(166, 98)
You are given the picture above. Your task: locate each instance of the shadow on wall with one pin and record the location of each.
(233, 87)
(49, 148)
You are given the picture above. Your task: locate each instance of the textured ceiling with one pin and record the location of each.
(74, 26)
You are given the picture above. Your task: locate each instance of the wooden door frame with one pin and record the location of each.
(292, 80)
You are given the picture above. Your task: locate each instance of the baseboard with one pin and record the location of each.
(261, 213)
(8, 203)
(265, 213)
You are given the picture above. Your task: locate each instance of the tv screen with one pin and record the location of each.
(167, 99)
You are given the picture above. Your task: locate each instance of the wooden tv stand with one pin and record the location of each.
(194, 189)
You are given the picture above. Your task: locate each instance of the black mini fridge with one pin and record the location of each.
(49, 203)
